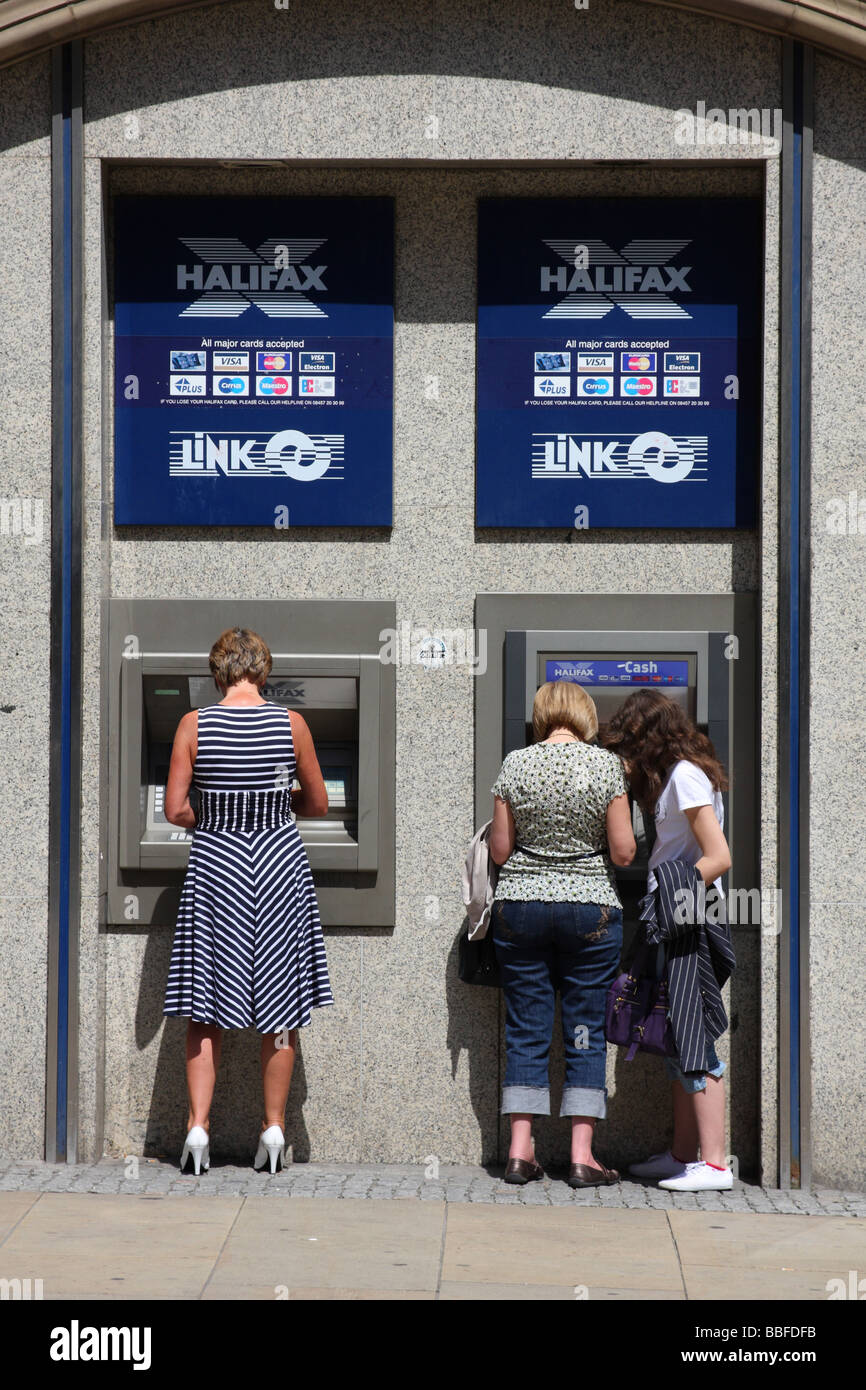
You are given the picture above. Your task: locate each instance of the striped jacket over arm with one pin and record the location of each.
(700, 957)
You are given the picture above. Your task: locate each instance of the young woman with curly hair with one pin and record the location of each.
(674, 774)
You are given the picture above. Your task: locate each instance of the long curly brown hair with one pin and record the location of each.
(651, 733)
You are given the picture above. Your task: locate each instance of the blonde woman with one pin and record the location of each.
(248, 950)
(561, 816)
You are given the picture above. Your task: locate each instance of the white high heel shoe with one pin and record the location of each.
(272, 1145)
(197, 1145)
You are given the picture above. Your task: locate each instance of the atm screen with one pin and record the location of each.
(610, 677)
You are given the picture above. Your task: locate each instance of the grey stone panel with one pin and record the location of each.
(836, 708)
(486, 82)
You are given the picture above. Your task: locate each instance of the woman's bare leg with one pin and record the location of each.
(203, 1048)
(685, 1141)
(521, 1138)
(709, 1111)
(278, 1062)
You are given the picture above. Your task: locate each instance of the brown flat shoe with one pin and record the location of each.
(521, 1170)
(582, 1175)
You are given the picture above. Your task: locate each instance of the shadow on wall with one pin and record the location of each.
(236, 1114)
(639, 1119)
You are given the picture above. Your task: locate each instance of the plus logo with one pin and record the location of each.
(230, 277)
(639, 279)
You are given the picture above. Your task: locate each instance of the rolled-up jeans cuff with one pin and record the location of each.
(584, 1100)
(525, 1100)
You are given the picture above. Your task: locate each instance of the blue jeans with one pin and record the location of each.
(688, 1080)
(542, 947)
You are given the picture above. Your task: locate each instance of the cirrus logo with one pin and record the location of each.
(231, 385)
(595, 386)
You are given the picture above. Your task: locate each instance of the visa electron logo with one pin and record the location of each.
(256, 454)
(231, 277)
(639, 279)
(663, 458)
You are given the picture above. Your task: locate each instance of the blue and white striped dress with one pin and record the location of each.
(248, 950)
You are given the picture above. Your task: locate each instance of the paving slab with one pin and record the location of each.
(329, 1243)
(118, 1247)
(14, 1205)
(592, 1248)
(737, 1242)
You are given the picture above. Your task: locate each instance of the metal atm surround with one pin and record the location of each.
(520, 626)
(326, 659)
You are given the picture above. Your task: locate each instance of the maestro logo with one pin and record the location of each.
(274, 386)
(638, 386)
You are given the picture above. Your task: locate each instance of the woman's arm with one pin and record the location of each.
(177, 808)
(312, 799)
(620, 836)
(715, 855)
(502, 833)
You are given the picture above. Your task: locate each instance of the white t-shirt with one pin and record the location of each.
(687, 786)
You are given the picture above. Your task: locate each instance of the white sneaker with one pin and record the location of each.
(700, 1177)
(662, 1165)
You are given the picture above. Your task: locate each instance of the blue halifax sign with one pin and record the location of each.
(254, 355)
(618, 362)
(633, 671)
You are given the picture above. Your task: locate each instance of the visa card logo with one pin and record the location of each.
(638, 361)
(316, 361)
(682, 361)
(637, 386)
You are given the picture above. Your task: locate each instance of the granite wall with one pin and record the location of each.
(837, 866)
(25, 573)
(436, 106)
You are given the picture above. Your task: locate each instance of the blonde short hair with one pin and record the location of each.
(239, 655)
(566, 705)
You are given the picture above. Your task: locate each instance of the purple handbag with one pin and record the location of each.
(636, 1016)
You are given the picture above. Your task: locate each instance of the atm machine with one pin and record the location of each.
(698, 649)
(326, 665)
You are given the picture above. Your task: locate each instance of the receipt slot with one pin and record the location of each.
(697, 650)
(325, 665)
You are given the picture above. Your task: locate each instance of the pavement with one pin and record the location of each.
(135, 1228)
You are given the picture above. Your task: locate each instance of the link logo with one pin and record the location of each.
(662, 458)
(256, 454)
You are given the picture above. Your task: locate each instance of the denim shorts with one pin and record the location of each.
(692, 1083)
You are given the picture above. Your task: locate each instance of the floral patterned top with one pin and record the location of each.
(559, 794)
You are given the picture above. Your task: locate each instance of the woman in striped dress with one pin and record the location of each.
(248, 949)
